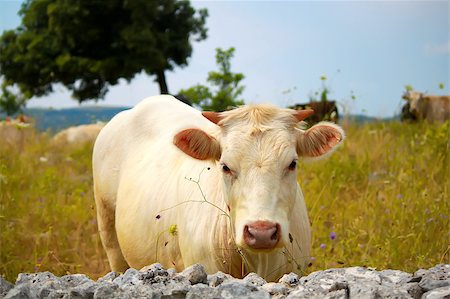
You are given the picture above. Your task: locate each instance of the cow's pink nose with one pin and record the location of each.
(262, 234)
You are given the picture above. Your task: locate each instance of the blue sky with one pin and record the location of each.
(369, 48)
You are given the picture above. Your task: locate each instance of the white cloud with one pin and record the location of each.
(438, 49)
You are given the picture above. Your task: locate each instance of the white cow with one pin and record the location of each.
(178, 187)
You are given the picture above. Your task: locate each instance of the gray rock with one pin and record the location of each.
(413, 289)
(236, 288)
(74, 280)
(195, 274)
(339, 294)
(366, 290)
(275, 288)
(156, 269)
(393, 277)
(217, 278)
(19, 292)
(36, 278)
(438, 293)
(42, 285)
(302, 292)
(157, 283)
(129, 279)
(5, 286)
(291, 279)
(338, 279)
(200, 291)
(392, 293)
(171, 272)
(84, 290)
(436, 277)
(109, 277)
(254, 279)
(153, 274)
(106, 290)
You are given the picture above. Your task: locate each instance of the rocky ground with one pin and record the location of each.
(155, 282)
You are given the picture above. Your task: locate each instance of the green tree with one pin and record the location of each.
(89, 45)
(226, 83)
(11, 103)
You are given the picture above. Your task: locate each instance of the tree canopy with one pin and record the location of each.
(227, 84)
(88, 45)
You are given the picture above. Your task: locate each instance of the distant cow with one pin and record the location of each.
(177, 186)
(322, 111)
(428, 107)
(79, 134)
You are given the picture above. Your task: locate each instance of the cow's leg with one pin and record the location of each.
(106, 227)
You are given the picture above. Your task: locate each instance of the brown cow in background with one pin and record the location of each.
(323, 110)
(428, 107)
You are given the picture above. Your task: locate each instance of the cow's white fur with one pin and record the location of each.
(140, 174)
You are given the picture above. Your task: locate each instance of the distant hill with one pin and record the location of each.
(58, 119)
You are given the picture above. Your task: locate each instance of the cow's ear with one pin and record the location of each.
(198, 144)
(319, 140)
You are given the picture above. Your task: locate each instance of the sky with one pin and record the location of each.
(369, 49)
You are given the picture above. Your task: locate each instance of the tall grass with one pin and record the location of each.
(382, 201)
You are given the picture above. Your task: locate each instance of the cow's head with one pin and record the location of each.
(256, 152)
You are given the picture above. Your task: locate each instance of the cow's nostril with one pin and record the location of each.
(262, 234)
(247, 232)
(274, 235)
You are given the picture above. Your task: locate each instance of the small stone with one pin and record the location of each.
(106, 290)
(235, 288)
(156, 267)
(171, 272)
(438, 293)
(217, 278)
(291, 279)
(274, 288)
(35, 278)
(74, 280)
(302, 292)
(363, 274)
(153, 274)
(83, 290)
(436, 277)
(390, 277)
(195, 274)
(413, 289)
(199, 291)
(129, 279)
(109, 277)
(363, 290)
(19, 292)
(339, 294)
(254, 279)
(5, 286)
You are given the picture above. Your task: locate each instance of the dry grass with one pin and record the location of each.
(384, 196)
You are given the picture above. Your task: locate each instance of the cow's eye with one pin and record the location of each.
(292, 165)
(226, 169)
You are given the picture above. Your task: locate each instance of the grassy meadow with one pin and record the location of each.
(381, 201)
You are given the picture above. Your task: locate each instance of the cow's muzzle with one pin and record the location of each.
(262, 234)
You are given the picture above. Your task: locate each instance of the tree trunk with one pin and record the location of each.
(161, 78)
